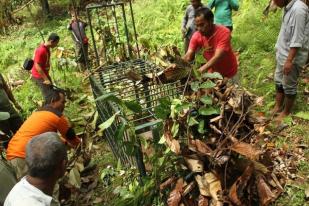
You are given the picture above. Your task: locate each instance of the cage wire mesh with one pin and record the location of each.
(111, 77)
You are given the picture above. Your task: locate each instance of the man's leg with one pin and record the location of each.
(290, 83)
(279, 99)
(45, 89)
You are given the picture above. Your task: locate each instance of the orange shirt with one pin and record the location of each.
(39, 122)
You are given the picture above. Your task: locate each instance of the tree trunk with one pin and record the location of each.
(45, 7)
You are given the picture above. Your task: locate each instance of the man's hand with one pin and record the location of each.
(47, 82)
(287, 67)
(183, 31)
(203, 68)
(171, 67)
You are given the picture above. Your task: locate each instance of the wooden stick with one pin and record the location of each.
(22, 7)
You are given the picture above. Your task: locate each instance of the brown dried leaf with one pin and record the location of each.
(202, 201)
(236, 191)
(199, 147)
(175, 196)
(195, 165)
(266, 196)
(246, 150)
(172, 143)
(215, 189)
(97, 200)
(202, 185)
(167, 183)
(189, 188)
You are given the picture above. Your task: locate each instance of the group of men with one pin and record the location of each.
(211, 33)
(35, 154)
(46, 121)
(41, 66)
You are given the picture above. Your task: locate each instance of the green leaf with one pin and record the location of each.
(192, 121)
(214, 75)
(201, 126)
(109, 97)
(133, 106)
(206, 99)
(303, 115)
(208, 111)
(207, 85)
(175, 129)
(162, 140)
(108, 122)
(163, 110)
(195, 86)
(120, 132)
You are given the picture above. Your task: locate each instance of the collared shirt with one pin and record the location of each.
(223, 11)
(78, 31)
(25, 194)
(294, 33)
(188, 20)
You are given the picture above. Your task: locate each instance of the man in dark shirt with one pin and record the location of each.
(11, 125)
(77, 27)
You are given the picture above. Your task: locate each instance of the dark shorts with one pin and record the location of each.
(45, 89)
(81, 54)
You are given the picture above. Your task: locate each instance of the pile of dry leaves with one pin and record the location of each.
(222, 144)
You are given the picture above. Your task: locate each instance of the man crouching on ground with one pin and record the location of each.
(46, 158)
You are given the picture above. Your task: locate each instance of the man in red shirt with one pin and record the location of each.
(40, 69)
(215, 42)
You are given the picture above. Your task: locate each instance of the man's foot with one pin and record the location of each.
(275, 111)
(279, 119)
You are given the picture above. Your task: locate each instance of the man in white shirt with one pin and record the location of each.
(46, 158)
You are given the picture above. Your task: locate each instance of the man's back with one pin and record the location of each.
(25, 194)
(39, 122)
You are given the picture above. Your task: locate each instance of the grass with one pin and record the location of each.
(158, 23)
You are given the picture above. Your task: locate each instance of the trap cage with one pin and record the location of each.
(112, 78)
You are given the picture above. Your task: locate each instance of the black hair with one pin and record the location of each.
(53, 37)
(53, 96)
(205, 12)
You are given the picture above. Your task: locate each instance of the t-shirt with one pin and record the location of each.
(220, 39)
(25, 194)
(41, 57)
(46, 120)
(223, 11)
(78, 31)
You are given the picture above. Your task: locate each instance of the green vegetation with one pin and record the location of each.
(158, 24)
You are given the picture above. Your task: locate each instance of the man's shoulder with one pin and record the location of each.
(222, 30)
(189, 8)
(41, 49)
(299, 6)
